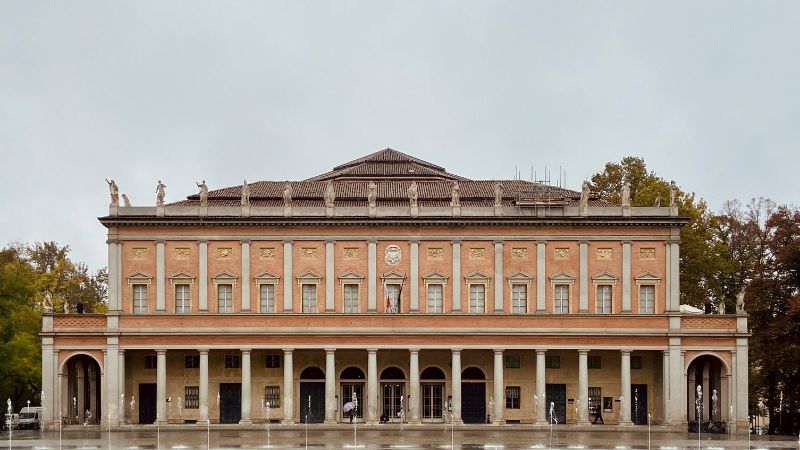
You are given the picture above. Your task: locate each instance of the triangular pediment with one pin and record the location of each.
(562, 277)
(181, 277)
(520, 277)
(266, 276)
(139, 278)
(604, 276)
(435, 276)
(647, 278)
(309, 274)
(393, 276)
(224, 276)
(350, 275)
(477, 276)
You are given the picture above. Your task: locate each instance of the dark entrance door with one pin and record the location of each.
(147, 403)
(313, 392)
(639, 404)
(557, 395)
(473, 402)
(230, 402)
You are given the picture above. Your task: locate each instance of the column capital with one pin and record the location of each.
(540, 351)
(413, 241)
(583, 242)
(498, 350)
(287, 241)
(203, 351)
(245, 241)
(498, 241)
(161, 351)
(541, 242)
(330, 350)
(372, 241)
(625, 352)
(330, 241)
(372, 350)
(583, 351)
(159, 241)
(455, 241)
(246, 350)
(455, 350)
(287, 350)
(121, 351)
(202, 241)
(414, 350)
(625, 241)
(112, 241)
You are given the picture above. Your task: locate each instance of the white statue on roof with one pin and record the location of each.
(585, 191)
(740, 302)
(498, 194)
(203, 193)
(455, 193)
(125, 201)
(625, 195)
(330, 194)
(673, 192)
(114, 191)
(372, 193)
(287, 194)
(413, 194)
(245, 194)
(160, 192)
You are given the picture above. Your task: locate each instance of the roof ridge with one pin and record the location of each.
(379, 157)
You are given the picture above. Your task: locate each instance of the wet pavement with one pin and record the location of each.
(383, 437)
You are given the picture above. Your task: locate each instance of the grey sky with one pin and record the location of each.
(707, 92)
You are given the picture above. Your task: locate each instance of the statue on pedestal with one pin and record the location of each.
(160, 192)
(330, 195)
(114, 191)
(455, 194)
(625, 195)
(585, 191)
(413, 194)
(673, 192)
(498, 194)
(372, 193)
(287, 194)
(203, 193)
(245, 194)
(740, 302)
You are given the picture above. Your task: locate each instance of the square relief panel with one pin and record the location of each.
(351, 253)
(182, 253)
(519, 253)
(604, 253)
(139, 252)
(477, 253)
(266, 252)
(308, 252)
(224, 252)
(561, 253)
(435, 253)
(647, 253)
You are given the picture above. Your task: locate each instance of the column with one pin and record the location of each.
(372, 385)
(123, 397)
(668, 278)
(498, 276)
(742, 358)
(414, 394)
(330, 386)
(540, 277)
(499, 389)
(456, 289)
(161, 288)
(541, 393)
(414, 277)
(677, 402)
(329, 275)
(247, 389)
(665, 387)
(202, 282)
(111, 372)
(48, 376)
(119, 274)
(584, 278)
(625, 389)
(161, 386)
(626, 276)
(288, 386)
(705, 409)
(583, 387)
(245, 276)
(675, 280)
(372, 270)
(287, 278)
(203, 410)
(455, 380)
(113, 269)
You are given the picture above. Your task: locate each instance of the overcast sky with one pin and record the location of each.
(705, 91)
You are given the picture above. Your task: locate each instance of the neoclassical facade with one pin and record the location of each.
(425, 296)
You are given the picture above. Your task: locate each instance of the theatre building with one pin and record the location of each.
(425, 296)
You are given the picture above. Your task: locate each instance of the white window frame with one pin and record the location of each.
(309, 304)
(225, 278)
(434, 294)
(138, 279)
(562, 279)
(604, 279)
(180, 279)
(140, 309)
(349, 279)
(350, 290)
(520, 279)
(228, 306)
(393, 279)
(648, 279)
(183, 305)
(267, 279)
(477, 279)
(435, 279)
(309, 279)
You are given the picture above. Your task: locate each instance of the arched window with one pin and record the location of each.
(392, 373)
(432, 373)
(472, 373)
(352, 373)
(312, 373)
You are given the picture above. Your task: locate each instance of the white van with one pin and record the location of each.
(30, 418)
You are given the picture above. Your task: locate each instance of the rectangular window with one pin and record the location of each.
(272, 396)
(435, 304)
(552, 362)
(351, 298)
(513, 362)
(233, 362)
(393, 298)
(150, 361)
(225, 298)
(561, 299)
(595, 362)
(140, 299)
(309, 298)
(647, 299)
(266, 295)
(181, 298)
(594, 400)
(636, 362)
(512, 397)
(273, 361)
(191, 361)
(603, 299)
(192, 396)
(477, 298)
(519, 299)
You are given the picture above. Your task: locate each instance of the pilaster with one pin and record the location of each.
(584, 278)
(456, 288)
(161, 287)
(202, 277)
(329, 275)
(245, 276)
(288, 282)
(414, 277)
(540, 277)
(372, 273)
(626, 276)
(498, 276)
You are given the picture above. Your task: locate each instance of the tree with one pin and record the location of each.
(68, 284)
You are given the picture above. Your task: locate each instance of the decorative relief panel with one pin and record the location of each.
(139, 252)
(604, 253)
(477, 253)
(647, 253)
(519, 253)
(435, 253)
(308, 252)
(562, 253)
(351, 253)
(224, 252)
(182, 252)
(392, 255)
(266, 252)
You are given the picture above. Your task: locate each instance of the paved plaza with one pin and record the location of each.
(384, 437)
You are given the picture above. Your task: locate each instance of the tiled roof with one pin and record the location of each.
(387, 164)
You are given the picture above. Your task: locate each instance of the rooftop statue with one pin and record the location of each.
(740, 302)
(673, 192)
(330, 195)
(203, 193)
(585, 191)
(125, 201)
(413, 194)
(455, 193)
(625, 195)
(160, 193)
(657, 202)
(498, 194)
(372, 193)
(245, 194)
(287, 194)
(114, 191)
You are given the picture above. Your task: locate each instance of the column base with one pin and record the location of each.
(203, 423)
(457, 422)
(541, 423)
(246, 422)
(287, 421)
(330, 421)
(414, 422)
(583, 422)
(499, 422)
(626, 424)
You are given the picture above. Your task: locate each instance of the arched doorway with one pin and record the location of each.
(312, 395)
(83, 390)
(473, 395)
(707, 389)
(392, 394)
(432, 385)
(351, 381)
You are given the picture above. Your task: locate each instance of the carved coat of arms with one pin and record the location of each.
(392, 255)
